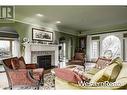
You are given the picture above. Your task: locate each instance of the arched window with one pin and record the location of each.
(111, 46)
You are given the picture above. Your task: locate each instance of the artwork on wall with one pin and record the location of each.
(82, 42)
(42, 35)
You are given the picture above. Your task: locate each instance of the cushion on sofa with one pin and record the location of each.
(99, 77)
(93, 71)
(112, 71)
(67, 75)
(87, 75)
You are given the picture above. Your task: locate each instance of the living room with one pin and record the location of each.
(62, 37)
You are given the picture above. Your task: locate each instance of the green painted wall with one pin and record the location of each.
(68, 37)
(19, 27)
(25, 30)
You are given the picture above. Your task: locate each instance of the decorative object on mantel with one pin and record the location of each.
(42, 35)
(34, 41)
(43, 42)
(50, 43)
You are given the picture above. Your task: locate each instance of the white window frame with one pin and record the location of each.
(98, 49)
(10, 46)
(125, 44)
(113, 56)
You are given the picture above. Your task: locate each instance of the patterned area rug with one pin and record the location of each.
(49, 82)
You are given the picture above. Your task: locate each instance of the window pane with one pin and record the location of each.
(4, 49)
(111, 46)
(95, 48)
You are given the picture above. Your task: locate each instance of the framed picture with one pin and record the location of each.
(42, 35)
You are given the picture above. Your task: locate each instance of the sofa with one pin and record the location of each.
(115, 74)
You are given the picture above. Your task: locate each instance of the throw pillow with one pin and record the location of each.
(79, 70)
(67, 75)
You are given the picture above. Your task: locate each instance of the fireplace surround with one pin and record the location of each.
(32, 51)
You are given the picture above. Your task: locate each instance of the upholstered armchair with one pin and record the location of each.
(20, 74)
(78, 59)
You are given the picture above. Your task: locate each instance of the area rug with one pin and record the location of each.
(49, 82)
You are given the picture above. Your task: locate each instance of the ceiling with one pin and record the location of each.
(75, 17)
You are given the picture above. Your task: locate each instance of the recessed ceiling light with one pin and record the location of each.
(58, 22)
(39, 15)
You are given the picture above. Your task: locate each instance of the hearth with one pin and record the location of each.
(44, 61)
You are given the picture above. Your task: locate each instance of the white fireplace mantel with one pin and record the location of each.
(29, 47)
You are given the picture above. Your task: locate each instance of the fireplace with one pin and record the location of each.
(33, 50)
(44, 61)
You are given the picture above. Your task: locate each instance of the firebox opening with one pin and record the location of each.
(45, 61)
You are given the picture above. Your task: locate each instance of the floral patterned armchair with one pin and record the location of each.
(20, 74)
